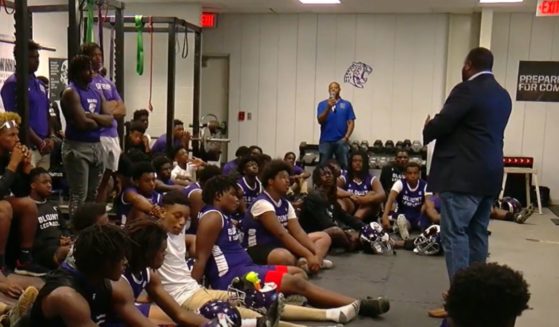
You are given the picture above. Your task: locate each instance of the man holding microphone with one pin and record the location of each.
(337, 120)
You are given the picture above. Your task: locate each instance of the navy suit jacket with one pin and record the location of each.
(468, 155)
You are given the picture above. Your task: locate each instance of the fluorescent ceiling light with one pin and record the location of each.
(320, 2)
(499, 1)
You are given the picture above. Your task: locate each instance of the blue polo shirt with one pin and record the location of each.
(38, 103)
(108, 89)
(335, 126)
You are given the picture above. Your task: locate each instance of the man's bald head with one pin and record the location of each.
(334, 88)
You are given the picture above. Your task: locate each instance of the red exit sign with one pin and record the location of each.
(547, 8)
(208, 20)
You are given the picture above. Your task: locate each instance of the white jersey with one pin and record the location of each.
(175, 273)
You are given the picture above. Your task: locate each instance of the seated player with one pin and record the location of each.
(136, 138)
(409, 194)
(394, 171)
(249, 183)
(222, 258)
(231, 167)
(142, 198)
(15, 165)
(81, 296)
(163, 181)
(365, 193)
(181, 174)
(193, 194)
(52, 240)
(176, 275)
(483, 286)
(322, 212)
(272, 233)
(298, 176)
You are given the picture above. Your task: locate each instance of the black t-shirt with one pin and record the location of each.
(389, 175)
(98, 298)
(50, 226)
(12, 183)
(319, 213)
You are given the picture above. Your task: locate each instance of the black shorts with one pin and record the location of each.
(259, 253)
(45, 256)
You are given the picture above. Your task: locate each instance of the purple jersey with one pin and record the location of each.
(229, 259)
(410, 200)
(38, 103)
(123, 208)
(137, 281)
(230, 167)
(90, 101)
(358, 187)
(253, 230)
(108, 89)
(193, 187)
(249, 192)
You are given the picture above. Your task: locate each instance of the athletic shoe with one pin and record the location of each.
(523, 215)
(402, 224)
(327, 264)
(23, 305)
(30, 269)
(373, 307)
(272, 317)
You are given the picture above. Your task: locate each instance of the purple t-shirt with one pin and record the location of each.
(90, 101)
(230, 167)
(108, 89)
(161, 144)
(38, 103)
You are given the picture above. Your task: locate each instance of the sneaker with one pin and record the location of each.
(23, 305)
(327, 264)
(402, 224)
(30, 269)
(272, 317)
(303, 264)
(373, 307)
(437, 313)
(523, 215)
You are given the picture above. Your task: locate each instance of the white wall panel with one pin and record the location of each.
(532, 127)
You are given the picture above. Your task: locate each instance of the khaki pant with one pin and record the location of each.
(202, 296)
(40, 160)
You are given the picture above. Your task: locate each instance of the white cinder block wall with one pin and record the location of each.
(281, 65)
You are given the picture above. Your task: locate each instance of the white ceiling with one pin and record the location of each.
(351, 6)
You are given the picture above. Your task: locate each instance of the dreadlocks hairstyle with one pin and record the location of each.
(272, 169)
(86, 215)
(208, 172)
(483, 286)
(317, 182)
(217, 186)
(244, 161)
(174, 197)
(364, 171)
(147, 236)
(87, 49)
(99, 244)
(77, 65)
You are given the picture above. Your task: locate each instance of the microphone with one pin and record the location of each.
(333, 96)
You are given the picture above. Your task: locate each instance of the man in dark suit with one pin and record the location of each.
(467, 164)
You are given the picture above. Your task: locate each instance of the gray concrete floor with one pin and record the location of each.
(414, 284)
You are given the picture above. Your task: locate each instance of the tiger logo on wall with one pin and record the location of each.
(357, 74)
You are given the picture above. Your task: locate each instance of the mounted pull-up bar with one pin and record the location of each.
(173, 25)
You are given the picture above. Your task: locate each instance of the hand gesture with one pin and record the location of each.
(18, 155)
(314, 263)
(11, 289)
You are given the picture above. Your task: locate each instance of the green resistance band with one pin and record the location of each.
(140, 43)
(89, 24)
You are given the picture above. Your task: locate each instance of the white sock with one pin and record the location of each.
(343, 314)
(252, 322)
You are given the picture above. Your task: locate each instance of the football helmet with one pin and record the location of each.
(429, 242)
(510, 204)
(221, 311)
(242, 291)
(375, 240)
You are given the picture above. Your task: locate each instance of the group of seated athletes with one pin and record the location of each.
(254, 232)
